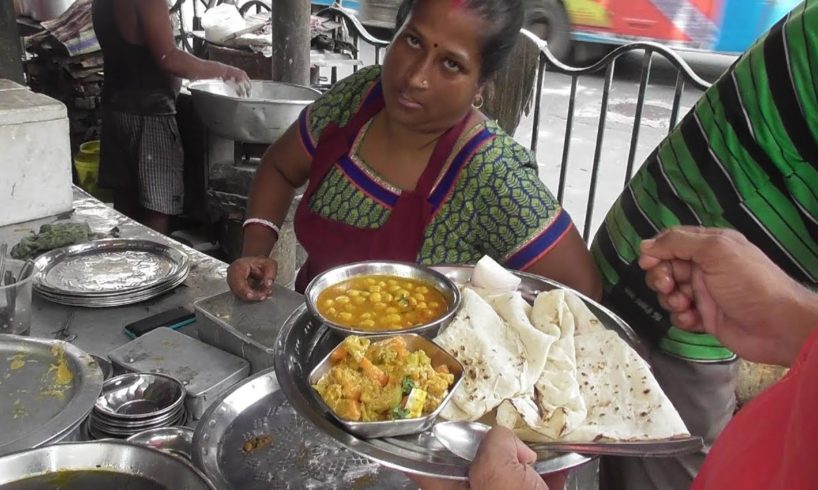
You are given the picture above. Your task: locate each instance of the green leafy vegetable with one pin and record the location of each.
(400, 413)
(408, 385)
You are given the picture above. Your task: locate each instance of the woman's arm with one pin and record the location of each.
(284, 168)
(570, 263)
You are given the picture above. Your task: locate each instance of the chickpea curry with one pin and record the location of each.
(379, 302)
(379, 381)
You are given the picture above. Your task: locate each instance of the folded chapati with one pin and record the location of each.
(622, 400)
(555, 407)
(501, 357)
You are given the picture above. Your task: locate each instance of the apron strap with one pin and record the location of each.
(335, 141)
(443, 148)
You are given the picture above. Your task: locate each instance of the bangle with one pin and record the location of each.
(263, 222)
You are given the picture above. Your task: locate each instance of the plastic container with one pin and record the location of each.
(87, 164)
(15, 297)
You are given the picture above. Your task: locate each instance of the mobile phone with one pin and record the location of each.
(174, 319)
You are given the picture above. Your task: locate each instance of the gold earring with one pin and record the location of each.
(478, 101)
(424, 84)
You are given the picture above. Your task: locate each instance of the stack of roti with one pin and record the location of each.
(551, 370)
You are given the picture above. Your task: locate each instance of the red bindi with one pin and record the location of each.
(458, 3)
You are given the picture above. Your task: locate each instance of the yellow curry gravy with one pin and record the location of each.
(383, 380)
(379, 302)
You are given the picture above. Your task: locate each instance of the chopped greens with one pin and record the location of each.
(400, 413)
(408, 385)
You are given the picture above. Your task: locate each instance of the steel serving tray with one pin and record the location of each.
(304, 341)
(300, 455)
(34, 408)
(392, 428)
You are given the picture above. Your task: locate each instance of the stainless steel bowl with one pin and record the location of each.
(393, 428)
(173, 440)
(387, 268)
(136, 396)
(99, 464)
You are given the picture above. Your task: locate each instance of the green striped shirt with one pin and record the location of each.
(745, 157)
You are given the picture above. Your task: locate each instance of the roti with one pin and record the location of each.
(501, 359)
(555, 405)
(621, 398)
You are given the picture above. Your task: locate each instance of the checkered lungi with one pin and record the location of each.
(143, 154)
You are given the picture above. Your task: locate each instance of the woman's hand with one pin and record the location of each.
(716, 281)
(251, 278)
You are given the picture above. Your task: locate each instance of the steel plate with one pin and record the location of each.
(109, 272)
(299, 455)
(34, 408)
(303, 342)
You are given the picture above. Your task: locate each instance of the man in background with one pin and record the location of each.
(141, 150)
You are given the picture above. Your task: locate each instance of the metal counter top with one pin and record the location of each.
(100, 330)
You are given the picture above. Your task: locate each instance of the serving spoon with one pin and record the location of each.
(463, 439)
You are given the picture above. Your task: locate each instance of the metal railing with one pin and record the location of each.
(547, 63)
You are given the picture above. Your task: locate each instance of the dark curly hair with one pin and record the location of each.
(504, 18)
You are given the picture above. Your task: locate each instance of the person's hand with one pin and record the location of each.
(716, 281)
(237, 77)
(251, 278)
(502, 461)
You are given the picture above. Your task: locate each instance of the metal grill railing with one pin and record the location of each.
(548, 63)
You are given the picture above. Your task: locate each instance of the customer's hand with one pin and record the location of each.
(251, 278)
(503, 461)
(716, 281)
(237, 77)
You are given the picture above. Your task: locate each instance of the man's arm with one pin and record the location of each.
(157, 31)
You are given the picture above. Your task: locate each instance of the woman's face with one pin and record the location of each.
(431, 73)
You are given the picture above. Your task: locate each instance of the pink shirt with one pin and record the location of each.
(772, 443)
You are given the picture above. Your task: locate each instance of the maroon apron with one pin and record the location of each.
(330, 243)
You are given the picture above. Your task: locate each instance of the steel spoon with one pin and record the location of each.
(463, 439)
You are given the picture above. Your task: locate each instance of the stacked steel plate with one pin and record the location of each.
(111, 272)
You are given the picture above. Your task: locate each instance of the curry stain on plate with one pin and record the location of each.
(17, 361)
(256, 443)
(63, 377)
(18, 410)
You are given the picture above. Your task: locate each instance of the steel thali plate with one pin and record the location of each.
(303, 342)
(48, 388)
(109, 272)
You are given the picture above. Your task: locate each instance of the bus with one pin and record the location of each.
(722, 26)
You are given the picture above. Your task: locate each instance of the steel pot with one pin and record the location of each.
(99, 464)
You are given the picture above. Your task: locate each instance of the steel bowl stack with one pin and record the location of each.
(136, 402)
(110, 272)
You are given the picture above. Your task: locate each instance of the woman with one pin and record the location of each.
(402, 165)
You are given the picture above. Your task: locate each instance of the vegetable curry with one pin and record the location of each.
(380, 302)
(379, 381)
